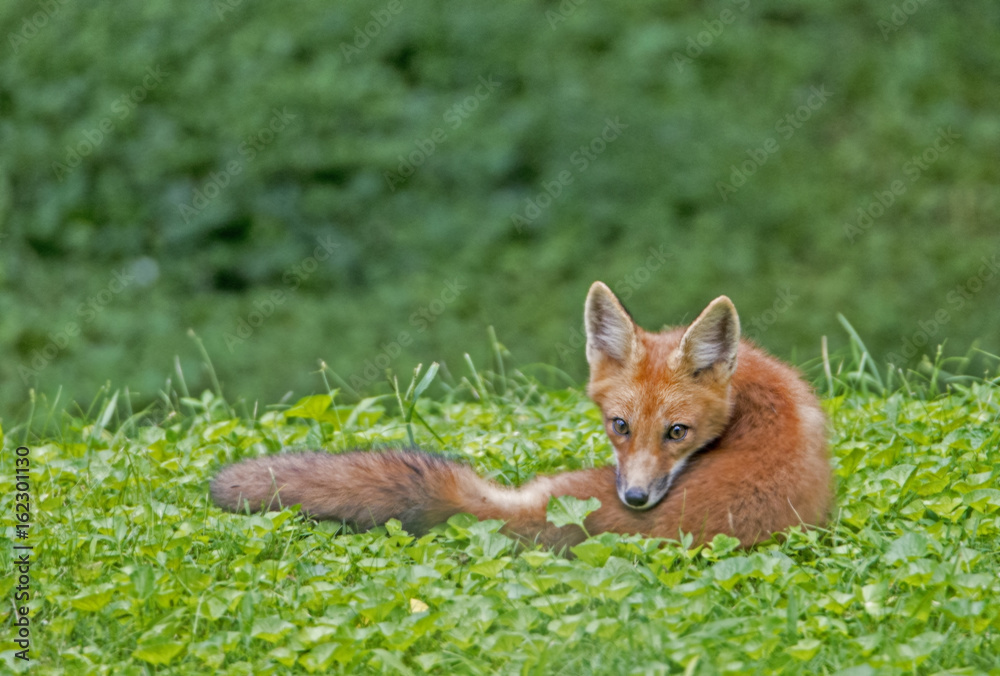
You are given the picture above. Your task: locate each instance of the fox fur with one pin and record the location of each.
(710, 434)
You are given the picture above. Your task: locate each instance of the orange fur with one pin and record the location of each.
(751, 462)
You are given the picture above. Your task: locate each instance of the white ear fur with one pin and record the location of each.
(713, 338)
(611, 333)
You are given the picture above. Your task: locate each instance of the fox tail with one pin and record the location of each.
(366, 489)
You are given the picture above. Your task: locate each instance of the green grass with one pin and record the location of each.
(137, 572)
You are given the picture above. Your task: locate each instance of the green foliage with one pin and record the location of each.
(137, 571)
(320, 247)
(566, 510)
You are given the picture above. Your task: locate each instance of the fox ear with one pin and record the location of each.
(713, 338)
(611, 333)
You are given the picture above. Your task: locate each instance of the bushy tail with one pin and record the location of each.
(367, 489)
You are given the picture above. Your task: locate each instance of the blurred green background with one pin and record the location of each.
(373, 184)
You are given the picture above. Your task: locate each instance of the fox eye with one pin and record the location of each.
(620, 426)
(676, 432)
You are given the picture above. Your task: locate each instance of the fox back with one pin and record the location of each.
(710, 435)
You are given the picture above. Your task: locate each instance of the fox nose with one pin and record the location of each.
(636, 497)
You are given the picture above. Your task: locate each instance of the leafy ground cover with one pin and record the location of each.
(137, 572)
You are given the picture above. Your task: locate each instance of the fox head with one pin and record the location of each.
(664, 395)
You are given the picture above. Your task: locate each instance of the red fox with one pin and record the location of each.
(711, 435)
